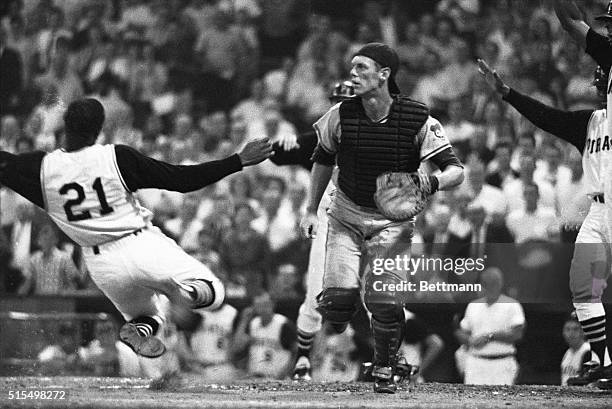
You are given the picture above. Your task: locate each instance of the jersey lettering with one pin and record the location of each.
(84, 215)
(597, 145)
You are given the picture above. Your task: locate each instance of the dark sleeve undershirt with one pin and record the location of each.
(446, 158)
(140, 171)
(21, 173)
(299, 156)
(598, 47)
(571, 126)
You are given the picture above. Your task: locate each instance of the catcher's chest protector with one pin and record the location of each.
(368, 149)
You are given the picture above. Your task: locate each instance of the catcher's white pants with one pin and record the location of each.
(134, 272)
(479, 371)
(309, 320)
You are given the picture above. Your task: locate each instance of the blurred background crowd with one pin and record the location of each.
(190, 80)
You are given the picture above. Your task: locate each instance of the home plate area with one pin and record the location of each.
(188, 392)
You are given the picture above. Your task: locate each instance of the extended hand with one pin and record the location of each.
(492, 78)
(255, 152)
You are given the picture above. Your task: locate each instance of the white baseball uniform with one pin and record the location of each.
(267, 357)
(130, 260)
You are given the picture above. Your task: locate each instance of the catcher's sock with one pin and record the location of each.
(304, 342)
(146, 326)
(595, 331)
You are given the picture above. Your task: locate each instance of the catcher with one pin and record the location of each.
(378, 141)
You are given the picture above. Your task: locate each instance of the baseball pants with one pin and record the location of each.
(309, 319)
(356, 237)
(590, 266)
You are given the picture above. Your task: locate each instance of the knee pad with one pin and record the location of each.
(386, 310)
(338, 305)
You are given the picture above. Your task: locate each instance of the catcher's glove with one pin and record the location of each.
(400, 196)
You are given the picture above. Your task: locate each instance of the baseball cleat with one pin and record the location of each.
(591, 372)
(147, 346)
(301, 372)
(605, 384)
(384, 381)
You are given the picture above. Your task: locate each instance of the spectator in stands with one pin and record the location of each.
(208, 348)
(420, 346)
(251, 109)
(100, 356)
(514, 191)
(249, 267)
(491, 198)
(49, 271)
(61, 74)
(488, 332)
(578, 353)
(269, 338)
(534, 221)
(219, 50)
(60, 357)
(11, 72)
(335, 356)
(459, 129)
(500, 173)
(22, 234)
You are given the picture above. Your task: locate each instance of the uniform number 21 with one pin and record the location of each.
(84, 215)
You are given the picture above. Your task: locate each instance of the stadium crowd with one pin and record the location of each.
(191, 80)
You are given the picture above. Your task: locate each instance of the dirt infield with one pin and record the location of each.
(187, 392)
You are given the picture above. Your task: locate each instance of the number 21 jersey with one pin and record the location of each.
(86, 196)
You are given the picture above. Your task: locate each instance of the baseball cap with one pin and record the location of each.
(607, 15)
(386, 57)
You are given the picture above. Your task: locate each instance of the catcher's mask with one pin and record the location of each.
(341, 91)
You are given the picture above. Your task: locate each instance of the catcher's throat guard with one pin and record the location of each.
(400, 196)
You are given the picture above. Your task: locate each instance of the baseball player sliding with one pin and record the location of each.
(368, 137)
(591, 283)
(88, 191)
(587, 131)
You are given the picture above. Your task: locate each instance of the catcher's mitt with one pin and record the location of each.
(400, 196)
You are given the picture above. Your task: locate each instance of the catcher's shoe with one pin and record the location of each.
(591, 372)
(301, 372)
(405, 371)
(384, 381)
(147, 346)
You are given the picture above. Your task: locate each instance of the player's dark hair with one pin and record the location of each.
(84, 119)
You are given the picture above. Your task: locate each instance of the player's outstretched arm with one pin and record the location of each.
(141, 172)
(255, 151)
(570, 126)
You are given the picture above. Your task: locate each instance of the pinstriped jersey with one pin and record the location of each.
(267, 357)
(211, 342)
(86, 196)
(597, 153)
